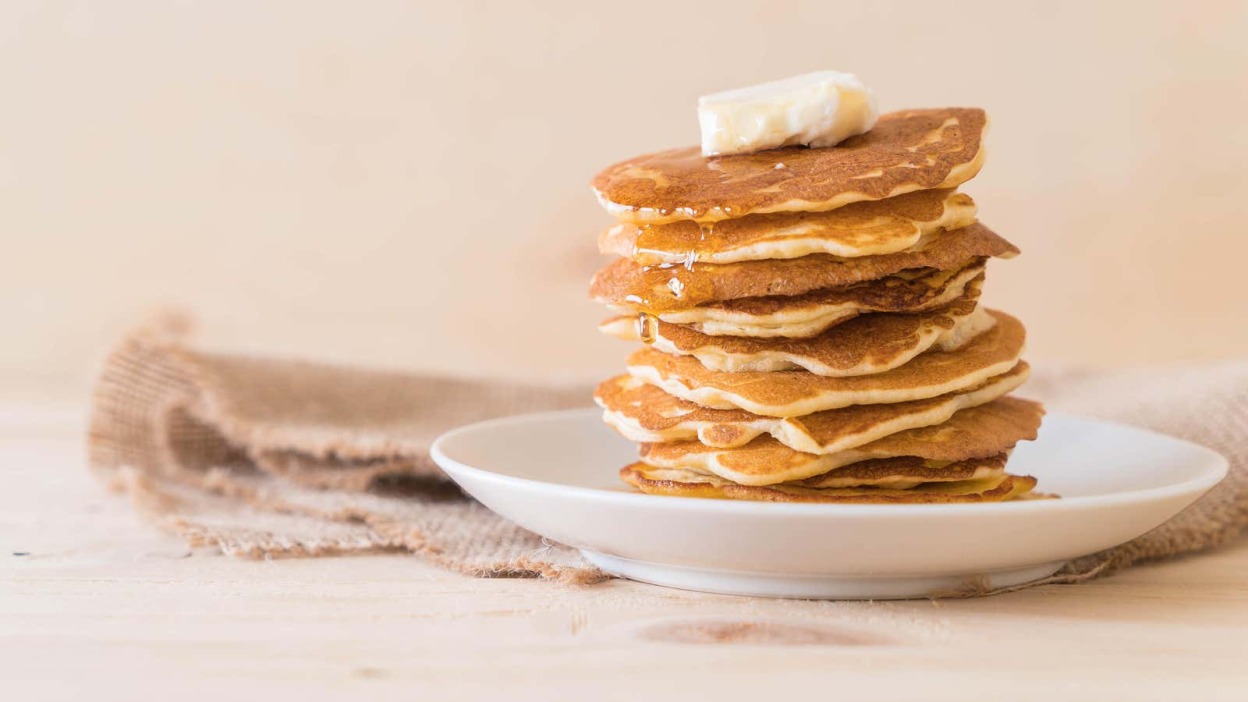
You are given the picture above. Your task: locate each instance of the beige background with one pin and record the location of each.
(404, 183)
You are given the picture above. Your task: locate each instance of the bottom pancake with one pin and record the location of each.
(905, 472)
(997, 487)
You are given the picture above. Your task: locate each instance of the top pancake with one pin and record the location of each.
(906, 151)
(862, 229)
(624, 284)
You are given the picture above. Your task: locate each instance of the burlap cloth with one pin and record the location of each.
(269, 458)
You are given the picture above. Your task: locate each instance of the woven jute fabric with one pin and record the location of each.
(267, 458)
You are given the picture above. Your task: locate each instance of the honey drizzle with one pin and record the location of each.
(669, 286)
(676, 240)
(672, 285)
(647, 327)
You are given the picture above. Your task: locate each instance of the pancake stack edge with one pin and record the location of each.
(811, 322)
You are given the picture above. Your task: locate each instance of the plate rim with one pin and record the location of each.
(1211, 476)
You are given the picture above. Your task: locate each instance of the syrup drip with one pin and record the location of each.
(688, 242)
(673, 285)
(669, 286)
(647, 327)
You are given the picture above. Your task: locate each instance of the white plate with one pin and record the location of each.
(555, 474)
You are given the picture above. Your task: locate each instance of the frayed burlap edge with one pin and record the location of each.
(161, 431)
(167, 431)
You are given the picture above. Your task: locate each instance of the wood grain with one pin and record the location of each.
(94, 602)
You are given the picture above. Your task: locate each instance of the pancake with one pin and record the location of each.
(979, 432)
(797, 393)
(646, 414)
(658, 481)
(802, 316)
(905, 151)
(656, 289)
(905, 472)
(900, 473)
(862, 229)
(871, 343)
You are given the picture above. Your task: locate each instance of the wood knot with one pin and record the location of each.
(756, 633)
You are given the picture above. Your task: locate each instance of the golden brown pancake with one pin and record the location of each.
(905, 151)
(797, 393)
(803, 316)
(987, 430)
(655, 289)
(646, 414)
(899, 473)
(658, 481)
(871, 343)
(905, 472)
(862, 229)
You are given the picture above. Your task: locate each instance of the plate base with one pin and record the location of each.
(813, 587)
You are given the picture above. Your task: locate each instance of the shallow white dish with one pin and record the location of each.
(556, 474)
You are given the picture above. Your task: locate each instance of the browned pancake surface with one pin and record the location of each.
(826, 427)
(804, 316)
(995, 489)
(649, 410)
(874, 336)
(971, 433)
(905, 291)
(979, 432)
(906, 151)
(796, 393)
(655, 289)
(867, 344)
(865, 228)
(909, 468)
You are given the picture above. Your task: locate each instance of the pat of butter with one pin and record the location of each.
(815, 109)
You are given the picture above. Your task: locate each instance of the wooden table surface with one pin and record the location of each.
(93, 602)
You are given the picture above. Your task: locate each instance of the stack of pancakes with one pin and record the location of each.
(811, 321)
